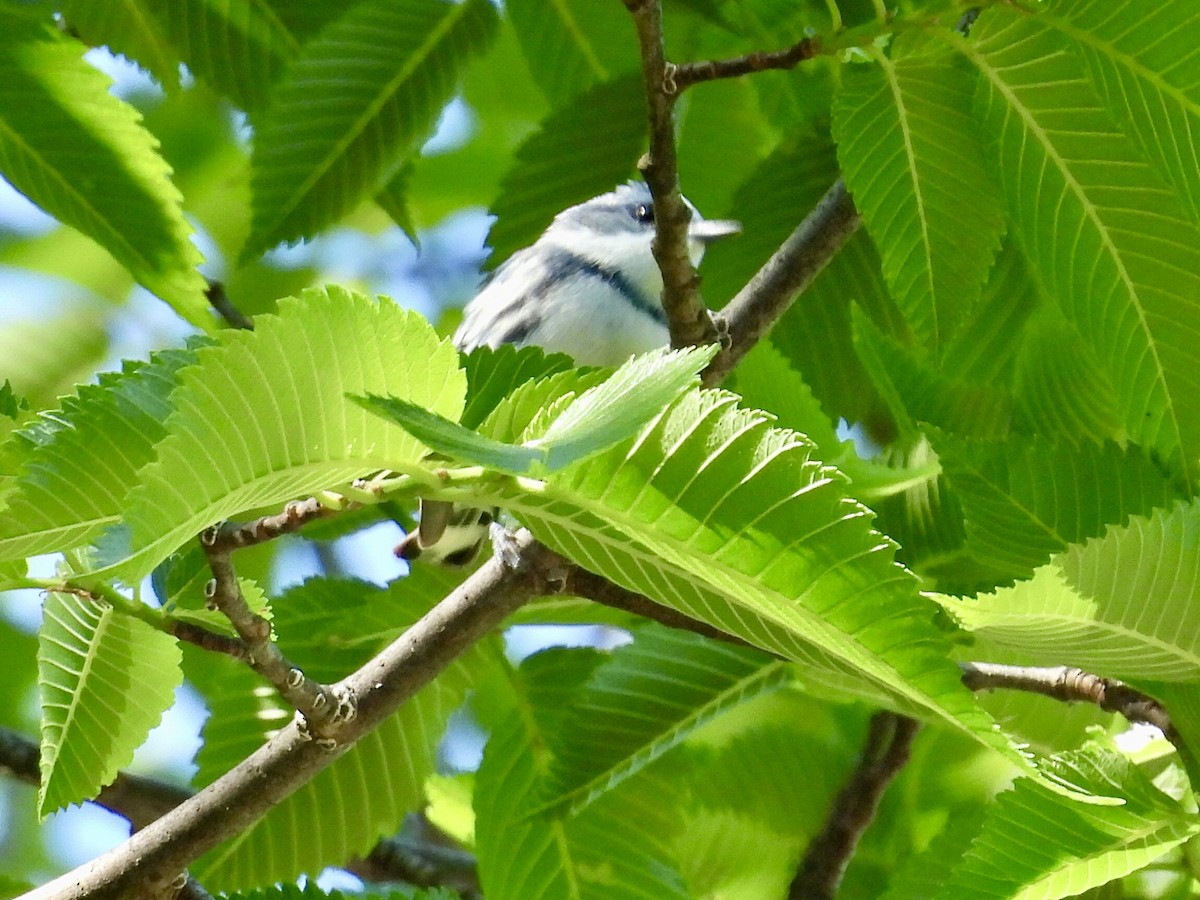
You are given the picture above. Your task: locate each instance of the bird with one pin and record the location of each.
(589, 287)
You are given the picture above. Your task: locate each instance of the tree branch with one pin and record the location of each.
(141, 800)
(889, 741)
(685, 75)
(152, 858)
(138, 799)
(791, 269)
(1072, 685)
(320, 706)
(688, 318)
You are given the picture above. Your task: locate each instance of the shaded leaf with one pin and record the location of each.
(612, 851)
(128, 27)
(571, 45)
(585, 148)
(83, 156)
(353, 107)
(1024, 500)
(914, 165)
(1104, 231)
(646, 699)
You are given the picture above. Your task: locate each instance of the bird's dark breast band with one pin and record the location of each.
(562, 267)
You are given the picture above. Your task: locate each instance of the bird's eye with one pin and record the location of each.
(644, 213)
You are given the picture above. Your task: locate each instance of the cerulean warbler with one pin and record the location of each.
(588, 287)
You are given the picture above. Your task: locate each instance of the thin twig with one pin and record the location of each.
(224, 306)
(320, 705)
(688, 318)
(889, 741)
(580, 582)
(791, 269)
(684, 75)
(212, 641)
(153, 857)
(295, 516)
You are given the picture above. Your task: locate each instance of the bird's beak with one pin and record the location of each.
(708, 230)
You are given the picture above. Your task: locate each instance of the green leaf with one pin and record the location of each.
(727, 520)
(646, 699)
(614, 850)
(56, 113)
(582, 149)
(570, 45)
(353, 107)
(1104, 231)
(1143, 61)
(618, 408)
(913, 162)
(493, 374)
(106, 679)
(1126, 604)
(1061, 389)
(128, 27)
(240, 47)
(595, 420)
(1035, 843)
(82, 460)
(449, 438)
(263, 416)
(1024, 499)
(915, 391)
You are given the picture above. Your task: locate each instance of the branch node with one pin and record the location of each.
(670, 86)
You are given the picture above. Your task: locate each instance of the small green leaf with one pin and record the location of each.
(493, 374)
(595, 420)
(618, 408)
(106, 679)
(450, 438)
